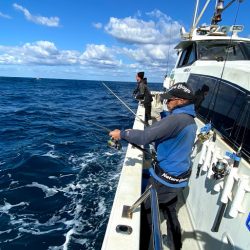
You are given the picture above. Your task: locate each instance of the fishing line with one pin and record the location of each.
(223, 69)
(97, 125)
(123, 103)
(112, 143)
(170, 37)
(247, 112)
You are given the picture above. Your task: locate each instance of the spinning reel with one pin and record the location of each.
(112, 143)
(220, 169)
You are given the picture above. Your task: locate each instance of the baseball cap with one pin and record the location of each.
(179, 90)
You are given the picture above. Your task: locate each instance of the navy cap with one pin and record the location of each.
(179, 90)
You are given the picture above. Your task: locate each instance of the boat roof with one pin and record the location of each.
(211, 33)
(184, 43)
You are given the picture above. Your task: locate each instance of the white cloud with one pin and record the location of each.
(47, 21)
(158, 30)
(46, 53)
(38, 53)
(97, 25)
(4, 15)
(152, 55)
(151, 42)
(99, 55)
(149, 46)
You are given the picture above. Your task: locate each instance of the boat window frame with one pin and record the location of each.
(210, 108)
(227, 43)
(244, 48)
(184, 60)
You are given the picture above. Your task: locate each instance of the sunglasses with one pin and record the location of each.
(172, 99)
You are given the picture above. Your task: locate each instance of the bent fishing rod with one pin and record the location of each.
(124, 103)
(115, 143)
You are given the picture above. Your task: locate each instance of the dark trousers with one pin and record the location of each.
(167, 198)
(147, 112)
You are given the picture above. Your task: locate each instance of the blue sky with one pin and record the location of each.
(98, 39)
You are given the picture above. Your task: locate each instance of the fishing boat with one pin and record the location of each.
(214, 210)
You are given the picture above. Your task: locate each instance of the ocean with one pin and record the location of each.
(58, 177)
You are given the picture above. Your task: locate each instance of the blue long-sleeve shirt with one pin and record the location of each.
(174, 137)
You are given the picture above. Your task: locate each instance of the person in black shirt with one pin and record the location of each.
(142, 93)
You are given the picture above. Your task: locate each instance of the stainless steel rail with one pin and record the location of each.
(157, 238)
(155, 214)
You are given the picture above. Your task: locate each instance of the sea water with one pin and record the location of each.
(57, 176)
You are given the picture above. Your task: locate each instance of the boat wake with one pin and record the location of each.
(68, 204)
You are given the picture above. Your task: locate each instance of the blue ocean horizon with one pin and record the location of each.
(57, 176)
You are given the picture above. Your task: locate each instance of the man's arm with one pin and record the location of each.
(163, 129)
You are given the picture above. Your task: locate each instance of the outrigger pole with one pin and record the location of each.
(123, 103)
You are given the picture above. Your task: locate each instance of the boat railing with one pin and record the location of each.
(155, 214)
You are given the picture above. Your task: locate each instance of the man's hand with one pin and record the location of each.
(116, 134)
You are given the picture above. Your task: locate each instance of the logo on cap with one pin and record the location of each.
(182, 87)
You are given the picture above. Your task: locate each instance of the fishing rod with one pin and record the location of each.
(116, 144)
(112, 143)
(123, 103)
(97, 125)
(228, 186)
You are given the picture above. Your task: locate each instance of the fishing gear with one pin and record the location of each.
(228, 186)
(112, 143)
(167, 177)
(124, 104)
(116, 144)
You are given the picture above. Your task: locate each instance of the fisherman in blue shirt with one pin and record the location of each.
(174, 137)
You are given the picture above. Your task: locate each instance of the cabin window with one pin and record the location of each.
(220, 51)
(246, 47)
(226, 106)
(188, 56)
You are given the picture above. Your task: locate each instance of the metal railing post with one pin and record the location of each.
(155, 215)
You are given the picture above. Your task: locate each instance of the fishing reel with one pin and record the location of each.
(112, 143)
(206, 133)
(220, 169)
(203, 136)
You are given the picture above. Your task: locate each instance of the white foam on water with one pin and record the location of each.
(66, 142)
(49, 145)
(2, 162)
(51, 154)
(65, 175)
(6, 231)
(36, 231)
(55, 248)
(80, 241)
(73, 187)
(101, 207)
(13, 239)
(48, 191)
(52, 177)
(7, 206)
(83, 185)
(68, 236)
(61, 176)
(13, 183)
(81, 162)
(109, 153)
